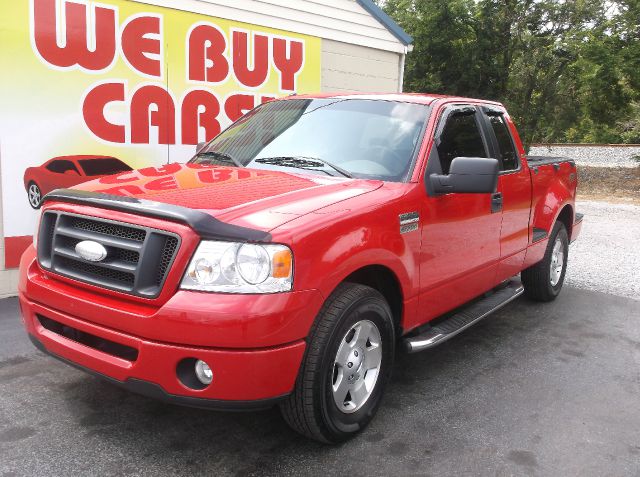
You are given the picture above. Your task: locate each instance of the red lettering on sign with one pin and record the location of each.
(251, 71)
(75, 51)
(137, 44)
(200, 109)
(288, 64)
(153, 106)
(206, 60)
(237, 105)
(93, 111)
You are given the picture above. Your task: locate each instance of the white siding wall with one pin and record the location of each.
(353, 68)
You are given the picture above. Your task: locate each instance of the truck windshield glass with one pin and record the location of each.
(370, 139)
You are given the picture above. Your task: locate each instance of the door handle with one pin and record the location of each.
(496, 202)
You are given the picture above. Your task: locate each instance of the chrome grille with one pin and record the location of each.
(138, 258)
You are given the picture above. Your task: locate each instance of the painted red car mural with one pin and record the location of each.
(68, 171)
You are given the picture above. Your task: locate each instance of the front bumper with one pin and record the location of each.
(154, 391)
(254, 344)
(239, 375)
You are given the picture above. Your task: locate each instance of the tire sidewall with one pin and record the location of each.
(559, 230)
(342, 425)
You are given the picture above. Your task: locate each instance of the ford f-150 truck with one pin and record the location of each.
(286, 262)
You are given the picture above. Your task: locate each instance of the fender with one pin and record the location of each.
(356, 261)
(332, 243)
(365, 258)
(536, 251)
(546, 212)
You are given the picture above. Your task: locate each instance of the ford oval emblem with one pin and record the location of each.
(91, 251)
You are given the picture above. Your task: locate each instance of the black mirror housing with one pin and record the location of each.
(468, 175)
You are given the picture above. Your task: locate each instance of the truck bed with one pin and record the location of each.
(535, 161)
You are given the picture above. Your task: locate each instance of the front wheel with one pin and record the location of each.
(543, 281)
(347, 364)
(35, 195)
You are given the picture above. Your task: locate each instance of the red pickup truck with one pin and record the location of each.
(286, 262)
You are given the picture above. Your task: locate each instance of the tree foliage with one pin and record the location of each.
(568, 70)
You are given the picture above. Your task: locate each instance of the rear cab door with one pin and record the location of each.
(514, 189)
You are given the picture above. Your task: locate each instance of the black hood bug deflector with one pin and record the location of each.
(205, 225)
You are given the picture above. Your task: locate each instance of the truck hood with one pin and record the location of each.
(252, 198)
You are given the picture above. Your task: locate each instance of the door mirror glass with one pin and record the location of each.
(470, 175)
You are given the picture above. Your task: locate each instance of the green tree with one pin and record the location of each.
(567, 70)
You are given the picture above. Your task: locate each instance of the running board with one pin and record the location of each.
(464, 318)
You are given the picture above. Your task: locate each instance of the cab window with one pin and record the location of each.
(460, 137)
(62, 166)
(506, 150)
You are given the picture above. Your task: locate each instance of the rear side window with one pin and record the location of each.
(460, 138)
(507, 151)
(62, 166)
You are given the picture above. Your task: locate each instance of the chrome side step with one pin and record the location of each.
(464, 318)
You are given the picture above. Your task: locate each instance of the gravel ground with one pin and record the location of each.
(606, 256)
(600, 156)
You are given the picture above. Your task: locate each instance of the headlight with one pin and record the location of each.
(230, 267)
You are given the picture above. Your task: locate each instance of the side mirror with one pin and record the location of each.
(470, 175)
(71, 172)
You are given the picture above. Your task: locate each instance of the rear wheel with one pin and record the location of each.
(35, 195)
(347, 364)
(543, 281)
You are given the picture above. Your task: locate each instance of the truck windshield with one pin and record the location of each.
(363, 138)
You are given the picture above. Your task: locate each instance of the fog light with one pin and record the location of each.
(203, 372)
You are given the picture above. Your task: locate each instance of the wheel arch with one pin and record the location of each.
(386, 282)
(29, 179)
(566, 217)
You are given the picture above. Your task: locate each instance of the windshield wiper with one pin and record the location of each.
(221, 156)
(302, 162)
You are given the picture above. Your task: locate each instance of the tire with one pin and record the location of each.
(34, 195)
(543, 281)
(341, 355)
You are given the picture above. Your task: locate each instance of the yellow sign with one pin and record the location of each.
(135, 82)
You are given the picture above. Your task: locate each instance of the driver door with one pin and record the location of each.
(460, 231)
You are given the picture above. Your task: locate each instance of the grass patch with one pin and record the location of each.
(609, 183)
